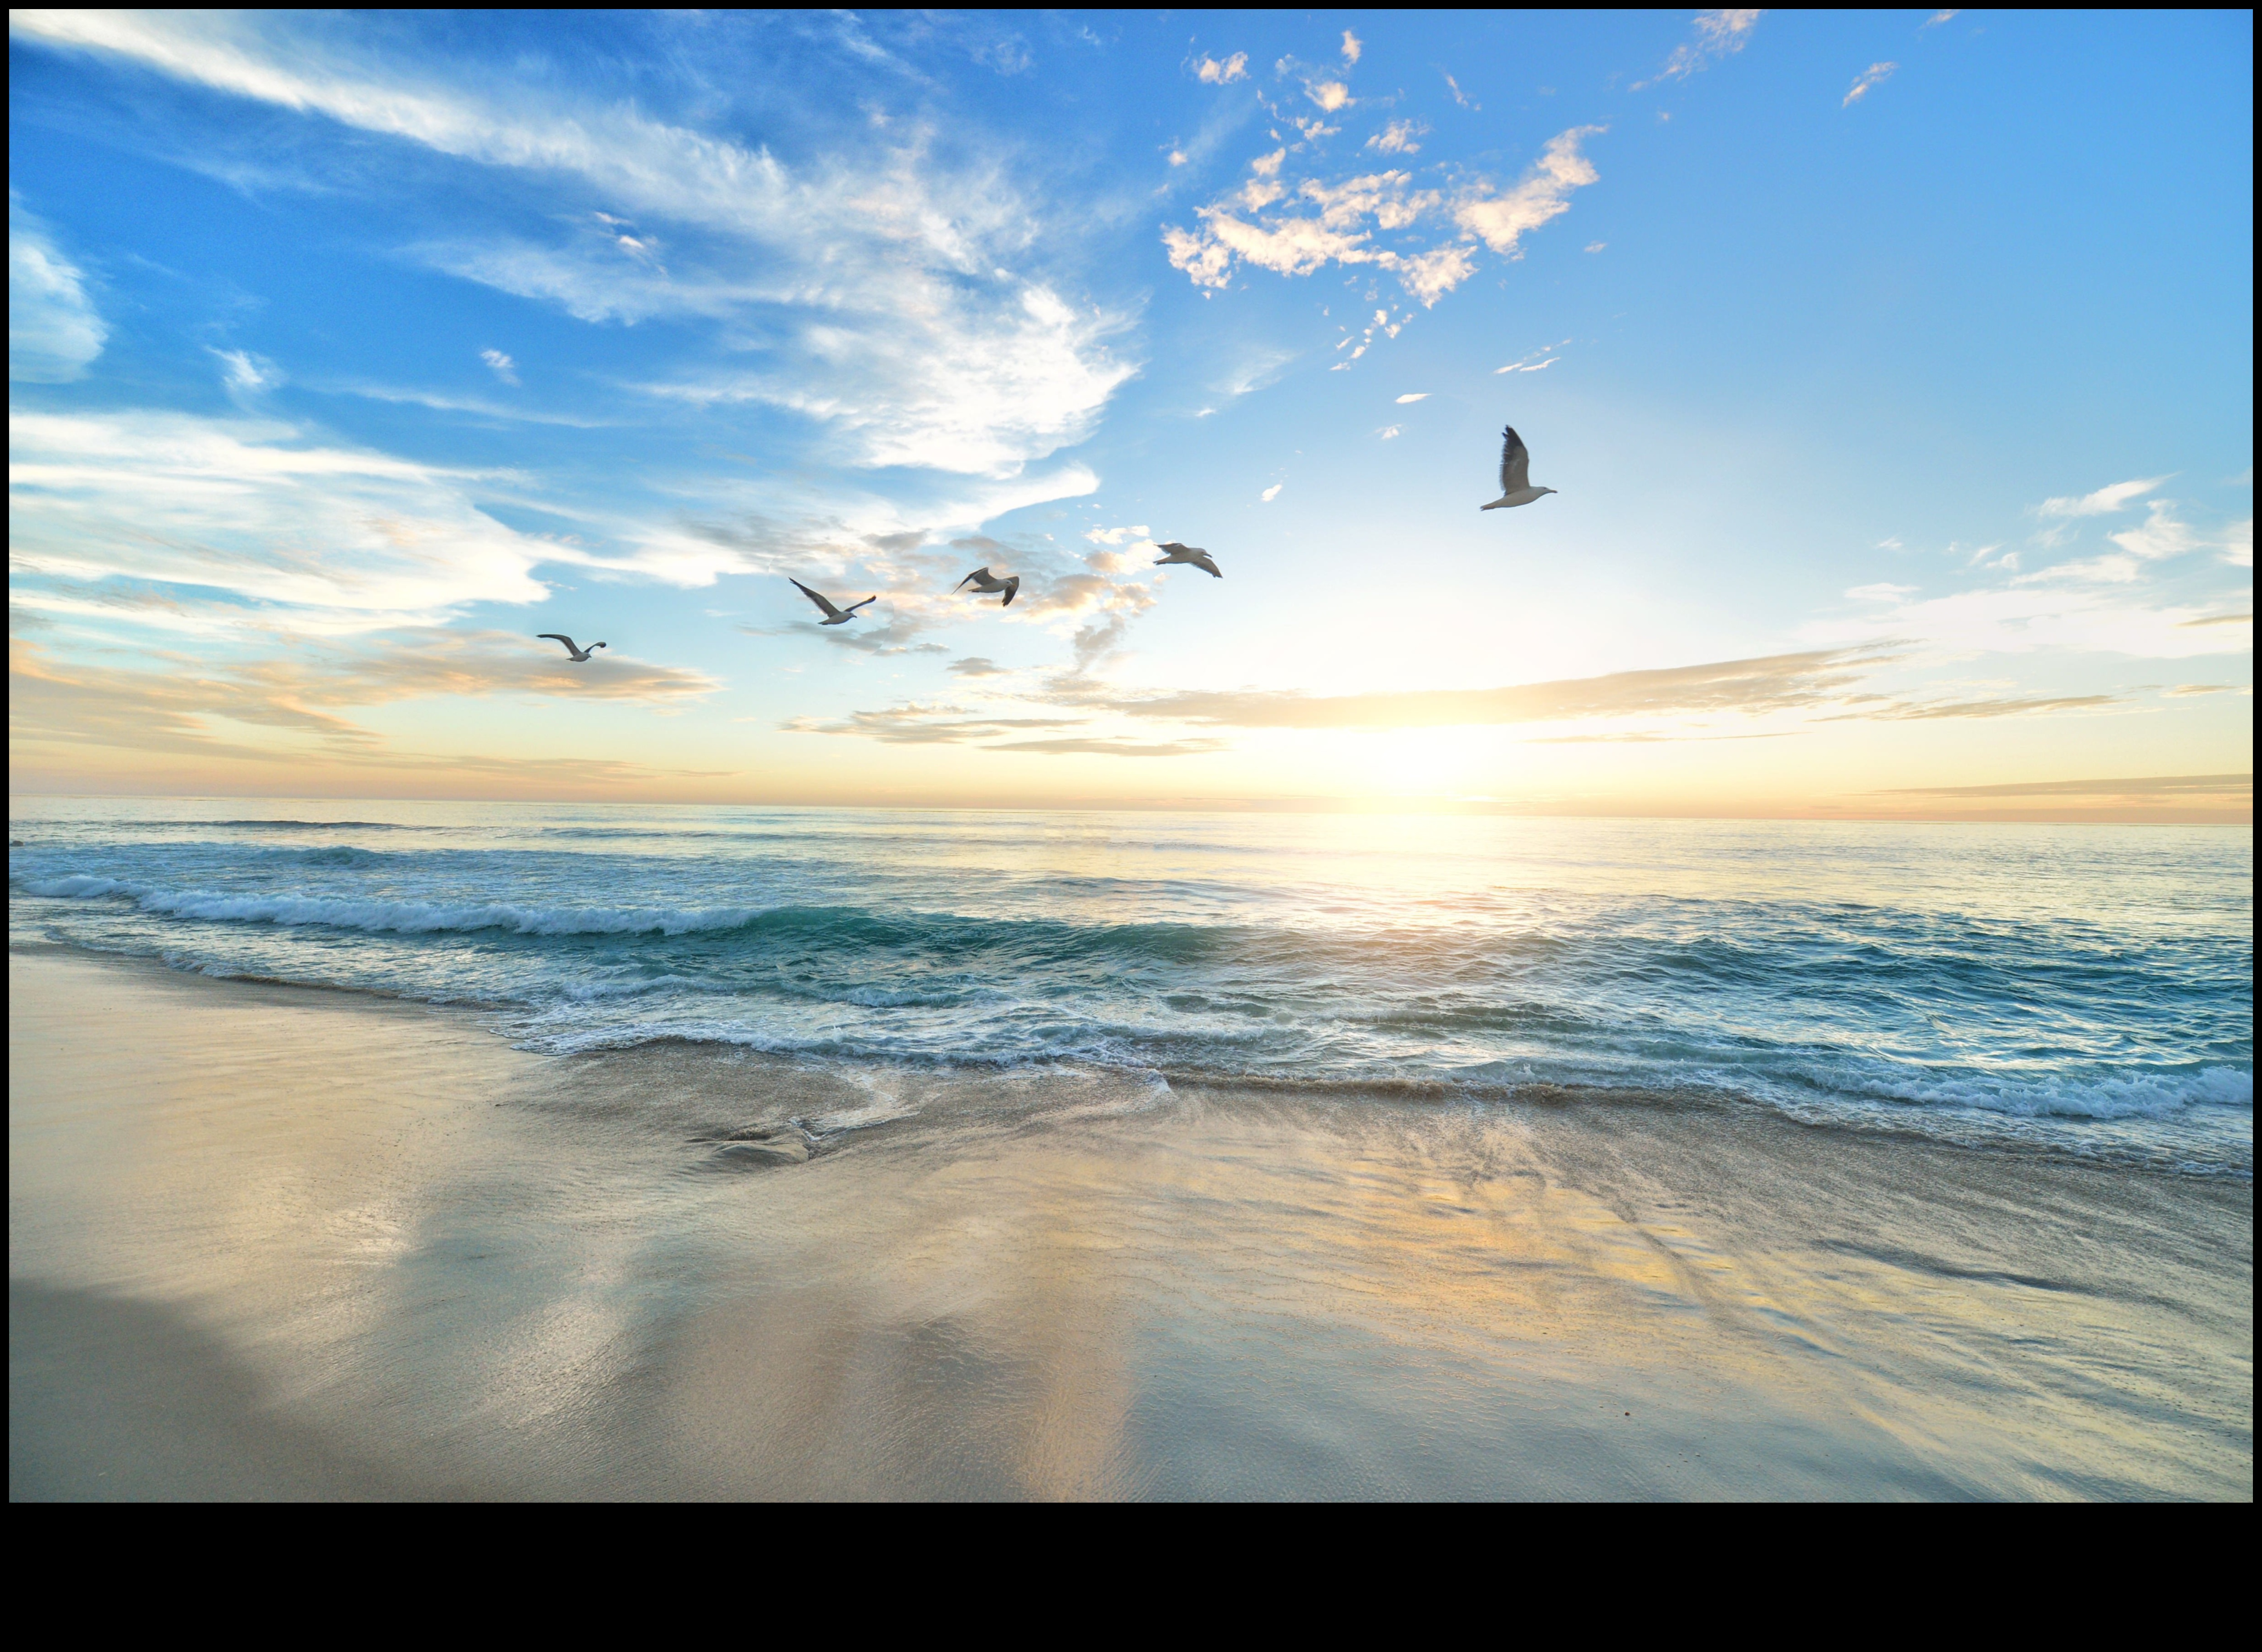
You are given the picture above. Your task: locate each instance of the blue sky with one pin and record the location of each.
(1894, 369)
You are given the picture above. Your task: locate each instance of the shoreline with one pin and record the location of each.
(1973, 1131)
(372, 1250)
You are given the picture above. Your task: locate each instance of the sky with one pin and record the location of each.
(1893, 369)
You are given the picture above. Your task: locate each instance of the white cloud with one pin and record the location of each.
(2091, 607)
(1876, 74)
(2238, 544)
(249, 522)
(876, 270)
(1719, 34)
(1882, 593)
(982, 395)
(1293, 239)
(1118, 536)
(2103, 503)
(1330, 94)
(1350, 46)
(1936, 19)
(1216, 74)
(503, 366)
(1397, 138)
(2163, 535)
(54, 333)
(1430, 275)
(1501, 221)
(1418, 395)
(2160, 536)
(1292, 246)
(1271, 493)
(1596, 246)
(1387, 432)
(245, 374)
(1539, 359)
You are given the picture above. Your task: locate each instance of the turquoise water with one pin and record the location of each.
(2077, 989)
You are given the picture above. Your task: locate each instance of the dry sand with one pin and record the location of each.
(267, 1242)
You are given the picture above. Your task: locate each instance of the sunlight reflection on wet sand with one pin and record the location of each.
(430, 1264)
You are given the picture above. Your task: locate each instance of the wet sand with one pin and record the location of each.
(270, 1242)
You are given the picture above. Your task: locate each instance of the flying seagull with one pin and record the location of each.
(989, 584)
(577, 653)
(1173, 552)
(1515, 487)
(832, 616)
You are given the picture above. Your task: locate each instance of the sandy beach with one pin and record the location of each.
(274, 1242)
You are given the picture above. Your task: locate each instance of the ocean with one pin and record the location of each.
(2080, 991)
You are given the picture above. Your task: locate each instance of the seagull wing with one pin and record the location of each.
(559, 637)
(822, 600)
(1207, 564)
(1514, 462)
(1012, 585)
(978, 579)
(866, 602)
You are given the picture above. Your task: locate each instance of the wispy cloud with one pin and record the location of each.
(1889, 710)
(1301, 229)
(1545, 356)
(890, 312)
(244, 374)
(1936, 19)
(54, 331)
(444, 401)
(1214, 72)
(2161, 535)
(502, 365)
(2142, 786)
(1770, 683)
(1875, 75)
(2100, 605)
(186, 705)
(1352, 47)
(2103, 503)
(1501, 221)
(258, 520)
(1398, 138)
(915, 724)
(1718, 34)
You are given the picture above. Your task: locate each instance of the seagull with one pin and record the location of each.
(984, 582)
(578, 652)
(1173, 552)
(1515, 487)
(832, 616)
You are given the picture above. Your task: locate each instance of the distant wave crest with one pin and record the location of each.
(397, 917)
